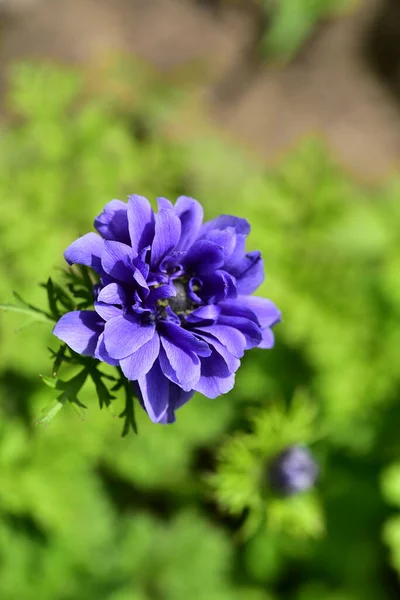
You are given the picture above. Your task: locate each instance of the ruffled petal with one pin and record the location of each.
(80, 330)
(154, 389)
(206, 315)
(139, 363)
(107, 311)
(86, 250)
(232, 362)
(185, 365)
(164, 203)
(190, 213)
(264, 309)
(117, 259)
(241, 226)
(248, 328)
(203, 257)
(215, 378)
(177, 398)
(226, 238)
(113, 293)
(102, 354)
(250, 274)
(140, 221)
(167, 234)
(126, 334)
(268, 339)
(183, 338)
(230, 337)
(112, 223)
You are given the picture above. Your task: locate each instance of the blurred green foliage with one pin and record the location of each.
(86, 514)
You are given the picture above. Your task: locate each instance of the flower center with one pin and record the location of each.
(181, 302)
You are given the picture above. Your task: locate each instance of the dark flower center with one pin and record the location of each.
(181, 302)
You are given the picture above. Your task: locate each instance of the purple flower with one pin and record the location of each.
(172, 308)
(293, 470)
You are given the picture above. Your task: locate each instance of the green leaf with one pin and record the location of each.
(50, 412)
(34, 313)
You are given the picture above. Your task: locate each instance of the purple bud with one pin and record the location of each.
(293, 470)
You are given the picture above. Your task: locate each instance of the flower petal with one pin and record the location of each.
(80, 330)
(249, 329)
(102, 354)
(164, 203)
(230, 337)
(183, 338)
(107, 311)
(241, 226)
(177, 398)
(250, 274)
(268, 339)
(190, 213)
(154, 389)
(167, 234)
(226, 238)
(215, 378)
(116, 260)
(185, 365)
(232, 362)
(264, 309)
(126, 334)
(112, 223)
(86, 250)
(205, 314)
(203, 257)
(139, 363)
(112, 293)
(141, 222)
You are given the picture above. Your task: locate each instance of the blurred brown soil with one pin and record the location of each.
(334, 87)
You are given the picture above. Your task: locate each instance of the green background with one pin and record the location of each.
(87, 514)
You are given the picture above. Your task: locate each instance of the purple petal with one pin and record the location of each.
(225, 238)
(126, 334)
(183, 338)
(107, 311)
(241, 226)
(80, 329)
(235, 260)
(231, 361)
(86, 250)
(112, 293)
(238, 308)
(250, 274)
(203, 257)
(154, 389)
(167, 234)
(230, 337)
(164, 203)
(215, 378)
(205, 314)
(268, 339)
(102, 354)
(177, 398)
(112, 223)
(264, 309)
(218, 286)
(190, 213)
(249, 329)
(139, 363)
(141, 222)
(117, 260)
(185, 365)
